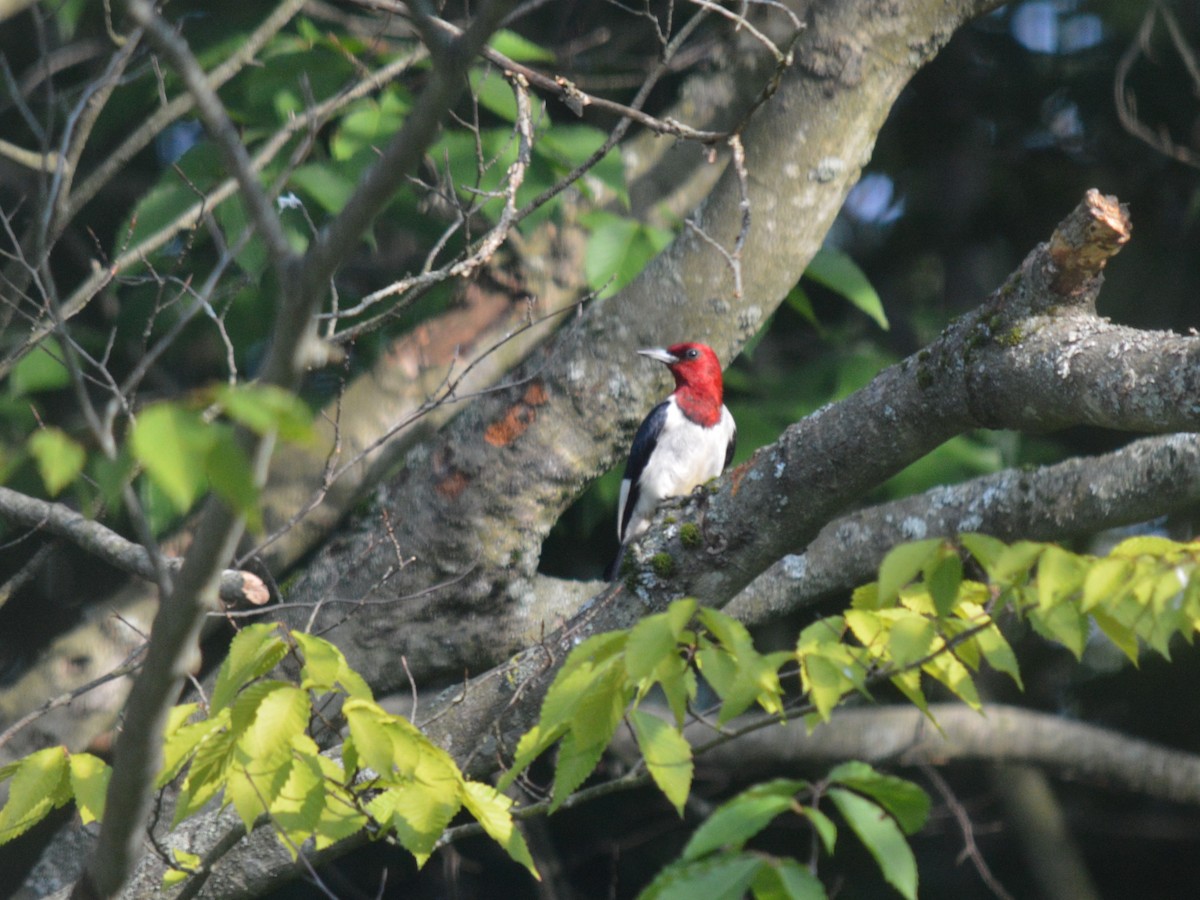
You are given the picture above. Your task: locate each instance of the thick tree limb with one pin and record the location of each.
(237, 588)
(902, 736)
(1148, 478)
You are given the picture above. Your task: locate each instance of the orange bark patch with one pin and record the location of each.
(736, 476)
(518, 417)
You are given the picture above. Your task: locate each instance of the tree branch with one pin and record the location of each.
(1148, 478)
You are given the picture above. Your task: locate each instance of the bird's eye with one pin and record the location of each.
(692, 353)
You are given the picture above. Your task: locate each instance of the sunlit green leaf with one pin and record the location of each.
(59, 458)
(491, 809)
(902, 564)
(668, 756)
(882, 836)
(841, 274)
(742, 817)
(173, 444)
(89, 783)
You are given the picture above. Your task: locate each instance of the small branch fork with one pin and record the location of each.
(1126, 101)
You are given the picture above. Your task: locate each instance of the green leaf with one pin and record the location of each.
(39, 784)
(370, 123)
(254, 652)
(184, 864)
(823, 826)
(492, 810)
(668, 756)
(264, 408)
(910, 639)
(518, 48)
(418, 814)
(907, 803)
(173, 444)
(882, 837)
(618, 250)
(279, 716)
(1106, 579)
(1014, 563)
(985, 548)
(493, 92)
(786, 879)
(901, 566)
(723, 877)
(59, 458)
(743, 816)
(1059, 575)
(372, 739)
(41, 369)
(841, 274)
(656, 637)
(89, 784)
(325, 668)
(943, 578)
(1063, 623)
(325, 183)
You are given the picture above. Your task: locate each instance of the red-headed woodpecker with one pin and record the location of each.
(686, 440)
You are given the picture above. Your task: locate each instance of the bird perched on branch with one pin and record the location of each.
(686, 440)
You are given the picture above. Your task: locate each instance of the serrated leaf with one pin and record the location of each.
(89, 784)
(1059, 575)
(1014, 563)
(985, 548)
(825, 681)
(254, 651)
(182, 741)
(1124, 639)
(491, 810)
(953, 674)
(882, 837)
(417, 813)
(999, 655)
(1144, 545)
(372, 739)
(901, 566)
(184, 864)
(173, 444)
(838, 272)
(325, 668)
(656, 637)
(743, 816)
(786, 879)
(1063, 623)
(1105, 580)
(59, 458)
(668, 756)
(907, 803)
(943, 578)
(910, 639)
(723, 877)
(279, 716)
(39, 784)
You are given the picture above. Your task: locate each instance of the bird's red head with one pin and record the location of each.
(697, 371)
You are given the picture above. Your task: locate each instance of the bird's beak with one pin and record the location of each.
(660, 354)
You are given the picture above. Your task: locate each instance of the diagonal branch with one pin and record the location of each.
(1150, 477)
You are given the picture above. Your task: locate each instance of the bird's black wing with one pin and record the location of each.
(639, 454)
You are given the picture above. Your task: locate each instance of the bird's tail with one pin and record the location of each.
(614, 567)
